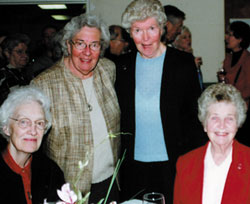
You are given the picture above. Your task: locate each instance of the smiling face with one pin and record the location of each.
(82, 62)
(221, 124)
(183, 41)
(18, 57)
(147, 35)
(27, 140)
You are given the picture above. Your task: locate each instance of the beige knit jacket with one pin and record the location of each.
(70, 139)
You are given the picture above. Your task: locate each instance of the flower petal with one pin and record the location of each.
(66, 195)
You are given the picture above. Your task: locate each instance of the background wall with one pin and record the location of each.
(204, 18)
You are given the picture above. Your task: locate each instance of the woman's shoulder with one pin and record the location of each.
(247, 57)
(179, 53)
(243, 149)
(241, 154)
(40, 160)
(105, 67)
(47, 177)
(106, 61)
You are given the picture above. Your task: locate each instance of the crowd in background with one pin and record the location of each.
(94, 92)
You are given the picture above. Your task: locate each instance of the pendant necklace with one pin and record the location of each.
(90, 108)
(88, 87)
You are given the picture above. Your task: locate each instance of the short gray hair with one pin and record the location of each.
(139, 10)
(77, 23)
(21, 96)
(221, 93)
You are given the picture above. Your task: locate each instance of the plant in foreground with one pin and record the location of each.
(74, 196)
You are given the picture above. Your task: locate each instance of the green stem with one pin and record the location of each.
(118, 165)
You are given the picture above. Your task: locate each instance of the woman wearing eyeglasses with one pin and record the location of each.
(26, 176)
(13, 73)
(84, 107)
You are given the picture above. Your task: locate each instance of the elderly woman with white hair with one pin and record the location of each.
(158, 91)
(26, 176)
(85, 108)
(217, 172)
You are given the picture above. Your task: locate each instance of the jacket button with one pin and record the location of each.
(239, 167)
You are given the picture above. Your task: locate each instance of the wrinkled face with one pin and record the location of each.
(147, 35)
(221, 123)
(232, 42)
(173, 30)
(25, 140)
(184, 41)
(19, 57)
(118, 44)
(82, 62)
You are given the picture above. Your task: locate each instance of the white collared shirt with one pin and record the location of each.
(214, 177)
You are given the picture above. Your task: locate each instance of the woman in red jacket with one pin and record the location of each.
(218, 172)
(237, 62)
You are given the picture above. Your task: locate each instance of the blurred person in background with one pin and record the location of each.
(118, 40)
(174, 23)
(49, 57)
(47, 51)
(237, 62)
(45, 45)
(16, 51)
(236, 68)
(183, 42)
(3, 35)
(120, 43)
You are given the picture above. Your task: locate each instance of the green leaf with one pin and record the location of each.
(118, 165)
(100, 202)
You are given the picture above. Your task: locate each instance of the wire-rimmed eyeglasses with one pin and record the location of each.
(26, 122)
(81, 45)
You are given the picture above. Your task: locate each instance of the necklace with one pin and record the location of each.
(90, 108)
(88, 88)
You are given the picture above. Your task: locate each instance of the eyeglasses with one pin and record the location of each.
(26, 122)
(21, 52)
(80, 45)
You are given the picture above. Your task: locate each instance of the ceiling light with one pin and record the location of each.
(60, 17)
(52, 6)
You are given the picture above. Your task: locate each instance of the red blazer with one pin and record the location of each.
(189, 177)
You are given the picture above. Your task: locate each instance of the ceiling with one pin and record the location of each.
(16, 14)
(30, 19)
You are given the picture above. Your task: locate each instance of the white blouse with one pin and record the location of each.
(214, 178)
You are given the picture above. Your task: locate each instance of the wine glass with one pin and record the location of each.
(221, 75)
(153, 198)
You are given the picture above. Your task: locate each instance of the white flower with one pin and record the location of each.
(66, 195)
(45, 201)
(81, 165)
